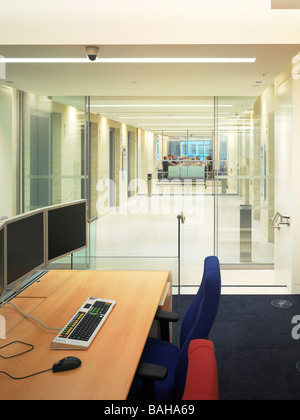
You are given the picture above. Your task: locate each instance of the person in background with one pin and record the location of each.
(166, 163)
(209, 163)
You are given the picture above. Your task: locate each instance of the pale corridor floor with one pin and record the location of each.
(144, 235)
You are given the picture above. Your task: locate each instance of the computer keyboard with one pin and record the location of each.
(81, 330)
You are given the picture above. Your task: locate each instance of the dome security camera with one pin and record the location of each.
(92, 53)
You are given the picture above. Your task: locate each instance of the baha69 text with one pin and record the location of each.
(171, 409)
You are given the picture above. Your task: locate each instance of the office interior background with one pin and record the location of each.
(100, 131)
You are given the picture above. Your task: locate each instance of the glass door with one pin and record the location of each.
(245, 181)
(190, 175)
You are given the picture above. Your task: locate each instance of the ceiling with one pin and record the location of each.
(155, 22)
(173, 96)
(135, 28)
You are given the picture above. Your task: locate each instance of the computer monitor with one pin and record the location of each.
(25, 245)
(66, 229)
(2, 260)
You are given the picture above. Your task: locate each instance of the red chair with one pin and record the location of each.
(202, 375)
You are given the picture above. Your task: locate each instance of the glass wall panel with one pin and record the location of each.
(53, 151)
(54, 156)
(216, 173)
(183, 187)
(129, 231)
(8, 100)
(245, 180)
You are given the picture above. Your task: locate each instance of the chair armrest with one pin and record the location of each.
(164, 318)
(149, 373)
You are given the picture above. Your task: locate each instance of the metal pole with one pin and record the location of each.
(87, 156)
(178, 218)
(214, 171)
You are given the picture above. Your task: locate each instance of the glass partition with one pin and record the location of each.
(245, 180)
(53, 151)
(215, 169)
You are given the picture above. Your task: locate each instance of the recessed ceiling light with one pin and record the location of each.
(169, 117)
(173, 125)
(157, 105)
(147, 60)
(177, 60)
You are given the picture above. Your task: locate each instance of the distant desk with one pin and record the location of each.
(109, 365)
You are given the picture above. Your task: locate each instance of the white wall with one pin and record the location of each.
(5, 152)
(287, 174)
(295, 215)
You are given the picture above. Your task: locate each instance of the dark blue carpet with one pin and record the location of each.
(256, 354)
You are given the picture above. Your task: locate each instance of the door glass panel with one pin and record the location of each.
(245, 180)
(188, 180)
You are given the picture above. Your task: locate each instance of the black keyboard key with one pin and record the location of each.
(86, 327)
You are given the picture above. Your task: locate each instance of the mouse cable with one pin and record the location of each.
(18, 354)
(30, 317)
(24, 377)
(15, 355)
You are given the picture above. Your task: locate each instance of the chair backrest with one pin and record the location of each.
(200, 316)
(202, 373)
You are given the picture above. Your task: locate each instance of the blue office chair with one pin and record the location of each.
(162, 371)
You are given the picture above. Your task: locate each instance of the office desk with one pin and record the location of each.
(46, 284)
(109, 365)
(13, 317)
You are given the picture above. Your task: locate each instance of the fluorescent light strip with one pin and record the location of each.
(148, 60)
(172, 125)
(166, 118)
(184, 124)
(174, 118)
(225, 128)
(43, 60)
(184, 131)
(157, 106)
(177, 60)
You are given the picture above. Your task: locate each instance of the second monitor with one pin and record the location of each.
(67, 229)
(24, 245)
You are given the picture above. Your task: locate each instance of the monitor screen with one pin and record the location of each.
(25, 245)
(1, 259)
(67, 229)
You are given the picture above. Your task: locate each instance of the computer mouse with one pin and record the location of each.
(68, 363)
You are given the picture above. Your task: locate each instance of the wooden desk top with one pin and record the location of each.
(109, 365)
(13, 317)
(47, 284)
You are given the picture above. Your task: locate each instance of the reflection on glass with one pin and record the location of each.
(53, 151)
(247, 174)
